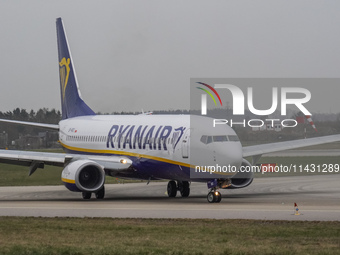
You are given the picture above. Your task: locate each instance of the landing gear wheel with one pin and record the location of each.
(172, 189)
(211, 197)
(86, 195)
(214, 197)
(219, 197)
(185, 189)
(100, 193)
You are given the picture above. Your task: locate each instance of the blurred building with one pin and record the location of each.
(268, 126)
(3, 140)
(46, 139)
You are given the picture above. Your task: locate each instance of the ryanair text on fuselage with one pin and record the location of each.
(143, 137)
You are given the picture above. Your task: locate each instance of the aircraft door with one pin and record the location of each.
(186, 144)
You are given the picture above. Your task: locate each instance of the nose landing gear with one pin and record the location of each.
(214, 196)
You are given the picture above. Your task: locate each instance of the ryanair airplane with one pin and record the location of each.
(144, 147)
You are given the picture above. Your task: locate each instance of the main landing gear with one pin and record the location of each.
(99, 194)
(182, 186)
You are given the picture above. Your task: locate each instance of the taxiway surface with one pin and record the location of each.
(270, 198)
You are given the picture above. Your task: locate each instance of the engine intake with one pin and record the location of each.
(83, 175)
(242, 179)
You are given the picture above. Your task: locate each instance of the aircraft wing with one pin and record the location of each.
(258, 150)
(38, 159)
(41, 125)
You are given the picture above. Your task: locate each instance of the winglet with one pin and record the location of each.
(71, 101)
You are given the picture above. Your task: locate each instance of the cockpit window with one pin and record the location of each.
(219, 138)
(204, 139)
(233, 138)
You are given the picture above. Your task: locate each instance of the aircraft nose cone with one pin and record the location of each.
(217, 160)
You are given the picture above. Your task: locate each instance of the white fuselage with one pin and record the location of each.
(166, 142)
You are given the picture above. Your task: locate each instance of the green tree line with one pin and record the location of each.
(326, 124)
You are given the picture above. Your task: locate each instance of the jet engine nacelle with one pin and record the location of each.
(242, 178)
(83, 176)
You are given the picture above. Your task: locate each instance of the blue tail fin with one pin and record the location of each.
(71, 102)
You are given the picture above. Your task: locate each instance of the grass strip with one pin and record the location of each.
(20, 235)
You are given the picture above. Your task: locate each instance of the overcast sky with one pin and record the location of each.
(133, 55)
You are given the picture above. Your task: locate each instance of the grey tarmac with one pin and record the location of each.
(268, 198)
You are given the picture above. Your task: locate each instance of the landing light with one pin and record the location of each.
(123, 161)
(216, 193)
